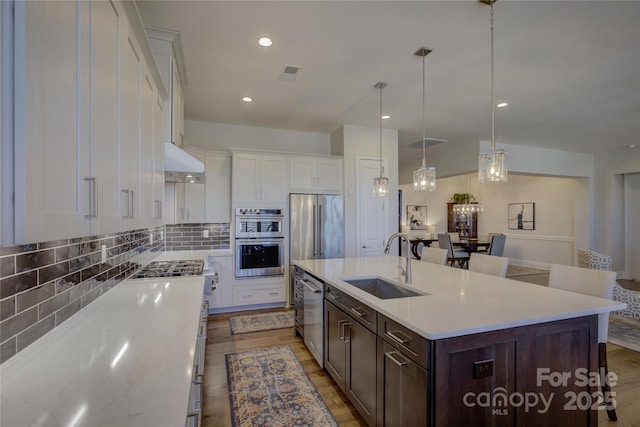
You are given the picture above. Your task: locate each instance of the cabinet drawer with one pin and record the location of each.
(258, 295)
(359, 311)
(412, 345)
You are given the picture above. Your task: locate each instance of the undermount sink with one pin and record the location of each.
(382, 288)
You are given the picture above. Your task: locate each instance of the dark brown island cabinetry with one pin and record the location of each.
(541, 374)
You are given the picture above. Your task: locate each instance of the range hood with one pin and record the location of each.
(181, 166)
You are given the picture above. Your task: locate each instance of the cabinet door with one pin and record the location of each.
(129, 128)
(176, 104)
(302, 173)
(51, 94)
(245, 178)
(403, 399)
(335, 361)
(158, 161)
(194, 203)
(223, 296)
(217, 188)
(361, 370)
(105, 21)
(273, 173)
(147, 101)
(329, 175)
(180, 212)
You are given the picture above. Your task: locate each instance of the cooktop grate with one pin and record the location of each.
(189, 267)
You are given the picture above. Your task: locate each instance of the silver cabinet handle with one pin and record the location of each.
(314, 290)
(188, 214)
(128, 203)
(358, 311)
(93, 198)
(393, 359)
(320, 251)
(340, 325)
(396, 338)
(131, 204)
(314, 229)
(333, 296)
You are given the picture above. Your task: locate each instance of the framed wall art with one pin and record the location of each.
(417, 217)
(522, 216)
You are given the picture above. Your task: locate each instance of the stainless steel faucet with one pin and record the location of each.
(407, 271)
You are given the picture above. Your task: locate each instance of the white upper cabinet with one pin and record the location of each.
(158, 162)
(259, 179)
(83, 121)
(315, 174)
(167, 50)
(217, 187)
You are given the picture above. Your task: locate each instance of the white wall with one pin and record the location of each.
(552, 241)
(220, 136)
(353, 142)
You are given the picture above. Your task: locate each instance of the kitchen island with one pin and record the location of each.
(127, 359)
(486, 350)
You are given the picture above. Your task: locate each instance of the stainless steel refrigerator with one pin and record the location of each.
(316, 226)
(316, 230)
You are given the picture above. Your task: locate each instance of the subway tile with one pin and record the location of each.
(53, 304)
(19, 249)
(34, 296)
(67, 282)
(52, 272)
(7, 266)
(7, 349)
(31, 260)
(18, 323)
(79, 263)
(79, 290)
(7, 308)
(34, 332)
(62, 253)
(89, 297)
(53, 244)
(18, 283)
(67, 311)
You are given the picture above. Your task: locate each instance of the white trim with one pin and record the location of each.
(546, 238)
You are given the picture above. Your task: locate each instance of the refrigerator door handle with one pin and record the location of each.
(320, 235)
(314, 231)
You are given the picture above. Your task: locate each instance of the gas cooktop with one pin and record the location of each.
(190, 267)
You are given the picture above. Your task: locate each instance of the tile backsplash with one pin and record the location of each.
(182, 237)
(43, 284)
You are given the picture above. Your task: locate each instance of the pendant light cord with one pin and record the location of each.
(424, 114)
(380, 118)
(493, 147)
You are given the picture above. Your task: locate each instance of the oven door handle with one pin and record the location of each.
(314, 290)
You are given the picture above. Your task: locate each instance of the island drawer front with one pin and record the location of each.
(412, 345)
(363, 314)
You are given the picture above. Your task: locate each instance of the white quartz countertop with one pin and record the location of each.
(460, 302)
(124, 360)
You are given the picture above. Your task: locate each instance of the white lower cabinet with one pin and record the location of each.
(222, 296)
(194, 411)
(258, 293)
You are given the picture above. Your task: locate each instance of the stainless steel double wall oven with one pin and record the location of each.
(259, 237)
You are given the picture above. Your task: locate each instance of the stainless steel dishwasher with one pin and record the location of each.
(313, 316)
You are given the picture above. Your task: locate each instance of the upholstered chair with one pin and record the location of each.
(455, 236)
(597, 283)
(497, 245)
(487, 264)
(453, 256)
(489, 239)
(434, 255)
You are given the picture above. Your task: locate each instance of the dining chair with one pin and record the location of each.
(455, 237)
(453, 256)
(487, 264)
(597, 283)
(434, 255)
(489, 239)
(496, 248)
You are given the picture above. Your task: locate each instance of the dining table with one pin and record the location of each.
(472, 245)
(415, 244)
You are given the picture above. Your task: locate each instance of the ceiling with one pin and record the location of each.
(570, 70)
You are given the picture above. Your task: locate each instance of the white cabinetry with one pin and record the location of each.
(84, 119)
(259, 179)
(167, 50)
(222, 297)
(315, 174)
(258, 291)
(217, 187)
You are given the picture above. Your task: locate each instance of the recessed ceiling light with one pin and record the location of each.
(632, 145)
(265, 41)
(502, 104)
(386, 117)
(247, 99)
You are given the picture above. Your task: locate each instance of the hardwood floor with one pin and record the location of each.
(625, 363)
(220, 342)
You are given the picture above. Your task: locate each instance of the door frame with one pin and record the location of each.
(359, 187)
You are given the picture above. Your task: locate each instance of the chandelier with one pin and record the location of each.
(492, 165)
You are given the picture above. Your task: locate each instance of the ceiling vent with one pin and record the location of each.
(288, 73)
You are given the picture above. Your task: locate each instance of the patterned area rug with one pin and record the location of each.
(261, 322)
(269, 387)
(624, 332)
(518, 270)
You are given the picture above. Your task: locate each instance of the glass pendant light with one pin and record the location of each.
(466, 207)
(424, 179)
(381, 183)
(492, 165)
